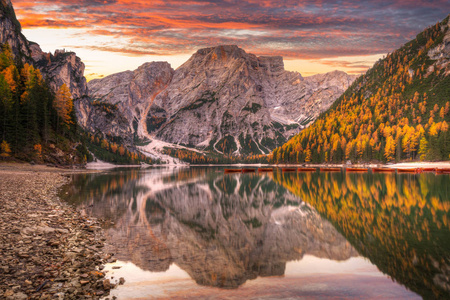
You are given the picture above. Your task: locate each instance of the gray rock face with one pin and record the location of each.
(94, 116)
(60, 68)
(10, 30)
(132, 93)
(63, 68)
(221, 93)
(222, 99)
(441, 53)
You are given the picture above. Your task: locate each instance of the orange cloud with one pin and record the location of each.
(311, 29)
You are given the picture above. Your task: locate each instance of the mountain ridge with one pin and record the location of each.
(398, 110)
(222, 99)
(58, 68)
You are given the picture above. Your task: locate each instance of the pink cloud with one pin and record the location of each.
(294, 29)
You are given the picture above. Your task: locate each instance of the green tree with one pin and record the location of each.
(5, 105)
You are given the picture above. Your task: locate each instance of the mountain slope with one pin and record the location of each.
(398, 110)
(36, 89)
(10, 30)
(222, 99)
(131, 93)
(58, 68)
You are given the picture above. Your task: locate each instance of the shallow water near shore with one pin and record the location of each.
(197, 232)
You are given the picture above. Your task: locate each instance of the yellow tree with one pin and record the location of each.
(38, 149)
(114, 147)
(348, 149)
(11, 77)
(4, 148)
(105, 144)
(6, 57)
(64, 105)
(389, 149)
(307, 155)
(434, 129)
(359, 148)
(423, 148)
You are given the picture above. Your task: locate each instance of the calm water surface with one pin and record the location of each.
(200, 233)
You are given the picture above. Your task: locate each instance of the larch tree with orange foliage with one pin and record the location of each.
(64, 105)
(5, 149)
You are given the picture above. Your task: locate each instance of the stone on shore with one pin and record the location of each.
(48, 250)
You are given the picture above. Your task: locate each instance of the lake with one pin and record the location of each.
(200, 233)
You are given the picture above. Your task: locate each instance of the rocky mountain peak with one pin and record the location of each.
(59, 68)
(222, 51)
(154, 65)
(271, 64)
(131, 93)
(222, 99)
(330, 79)
(225, 53)
(10, 31)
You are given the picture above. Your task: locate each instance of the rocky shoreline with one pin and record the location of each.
(48, 250)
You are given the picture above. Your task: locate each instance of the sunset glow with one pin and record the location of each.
(312, 36)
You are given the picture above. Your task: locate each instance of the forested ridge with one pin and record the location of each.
(36, 124)
(398, 110)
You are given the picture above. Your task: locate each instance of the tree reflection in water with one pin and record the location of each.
(399, 222)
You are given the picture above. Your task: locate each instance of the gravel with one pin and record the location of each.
(48, 250)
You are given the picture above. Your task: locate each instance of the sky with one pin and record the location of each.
(313, 36)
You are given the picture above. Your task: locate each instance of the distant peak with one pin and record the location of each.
(222, 50)
(220, 47)
(155, 64)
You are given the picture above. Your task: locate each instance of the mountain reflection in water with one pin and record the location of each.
(226, 229)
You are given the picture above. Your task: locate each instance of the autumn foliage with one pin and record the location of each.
(198, 157)
(404, 220)
(64, 105)
(33, 120)
(398, 110)
(112, 149)
(4, 149)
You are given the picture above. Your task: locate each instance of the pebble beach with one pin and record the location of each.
(48, 250)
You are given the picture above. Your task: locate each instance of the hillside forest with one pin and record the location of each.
(398, 110)
(40, 125)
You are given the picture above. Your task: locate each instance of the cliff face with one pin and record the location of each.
(62, 68)
(132, 93)
(93, 116)
(59, 68)
(10, 30)
(221, 93)
(441, 53)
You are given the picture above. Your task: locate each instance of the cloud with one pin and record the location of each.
(126, 51)
(311, 29)
(351, 67)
